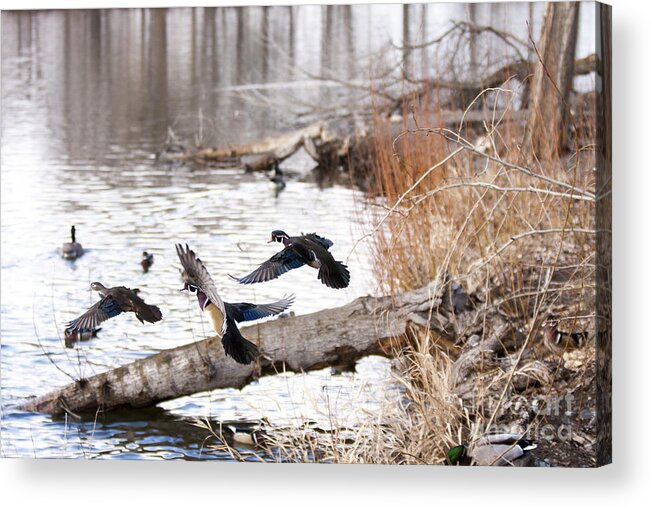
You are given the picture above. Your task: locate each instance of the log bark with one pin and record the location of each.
(334, 337)
(280, 146)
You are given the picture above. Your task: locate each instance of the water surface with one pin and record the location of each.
(88, 98)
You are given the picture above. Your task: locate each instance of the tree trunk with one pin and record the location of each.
(334, 337)
(545, 132)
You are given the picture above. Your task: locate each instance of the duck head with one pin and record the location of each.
(279, 236)
(201, 296)
(457, 456)
(99, 288)
(551, 336)
(72, 234)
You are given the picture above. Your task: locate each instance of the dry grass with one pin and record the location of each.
(462, 217)
(520, 240)
(399, 431)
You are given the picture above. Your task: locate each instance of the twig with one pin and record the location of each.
(451, 135)
(491, 186)
(403, 196)
(560, 230)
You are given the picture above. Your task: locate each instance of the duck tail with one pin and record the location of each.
(239, 348)
(527, 445)
(334, 274)
(149, 313)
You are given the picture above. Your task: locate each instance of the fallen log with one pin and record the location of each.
(326, 143)
(333, 337)
(262, 154)
(280, 146)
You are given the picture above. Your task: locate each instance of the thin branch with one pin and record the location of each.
(501, 189)
(403, 196)
(452, 136)
(559, 230)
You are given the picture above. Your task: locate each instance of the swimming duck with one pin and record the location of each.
(498, 450)
(73, 250)
(73, 336)
(225, 316)
(255, 438)
(561, 341)
(278, 178)
(114, 301)
(147, 261)
(307, 249)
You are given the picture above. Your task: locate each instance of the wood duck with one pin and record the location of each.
(147, 261)
(278, 178)
(73, 336)
(307, 249)
(560, 341)
(255, 438)
(225, 316)
(114, 301)
(498, 450)
(73, 250)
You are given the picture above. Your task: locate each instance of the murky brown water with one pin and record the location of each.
(87, 99)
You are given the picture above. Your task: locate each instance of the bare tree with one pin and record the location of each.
(545, 132)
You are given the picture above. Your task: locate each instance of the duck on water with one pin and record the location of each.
(73, 250)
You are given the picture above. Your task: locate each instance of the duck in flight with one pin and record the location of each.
(113, 302)
(225, 316)
(307, 249)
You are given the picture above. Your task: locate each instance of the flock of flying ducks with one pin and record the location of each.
(308, 249)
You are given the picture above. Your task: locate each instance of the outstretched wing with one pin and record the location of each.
(241, 312)
(104, 309)
(197, 275)
(325, 242)
(283, 261)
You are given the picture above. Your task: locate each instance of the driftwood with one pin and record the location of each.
(334, 337)
(327, 143)
(279, 147)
